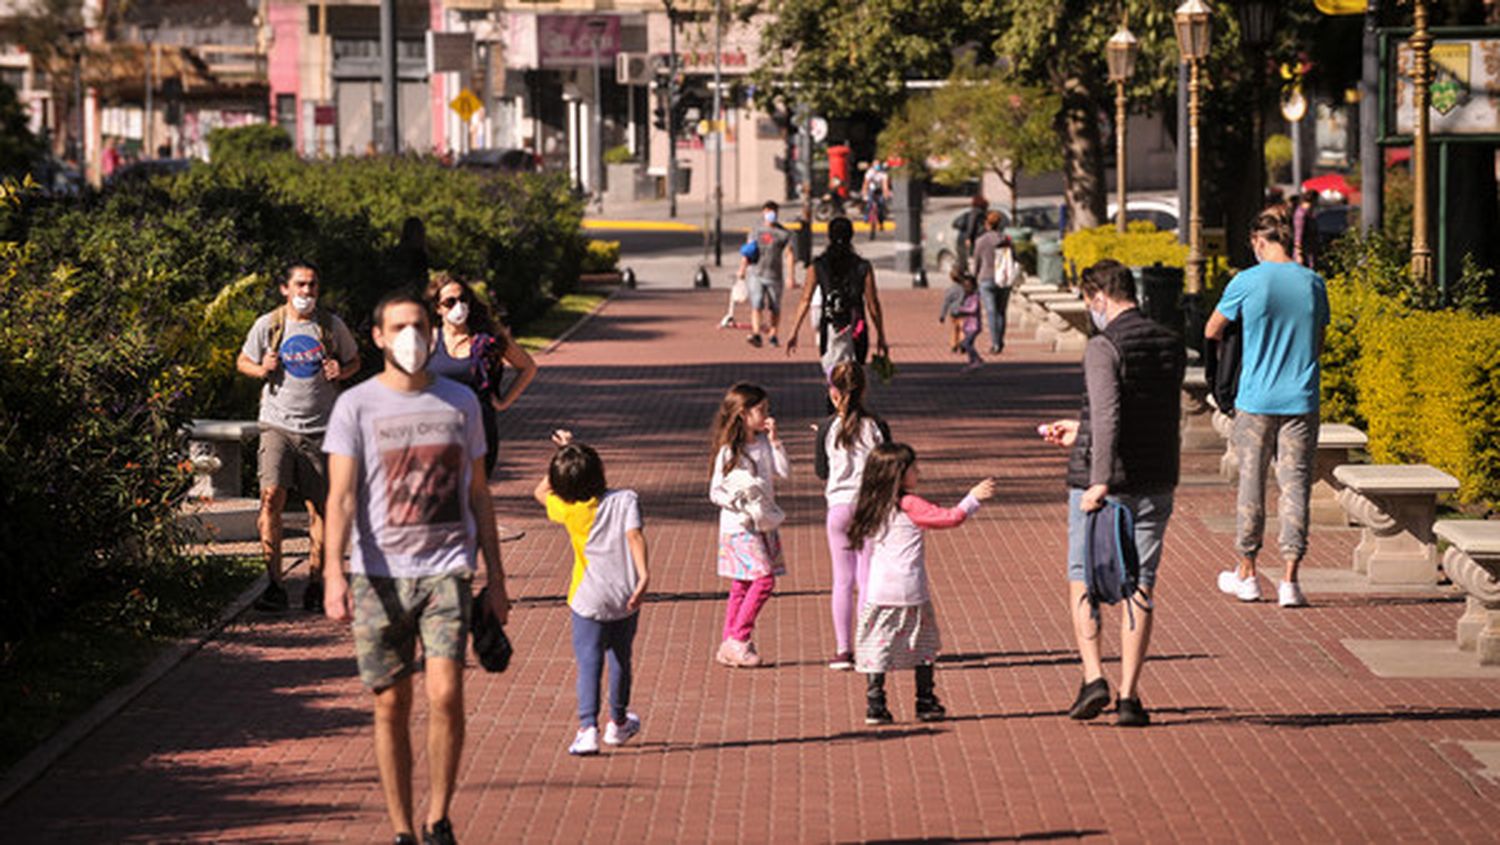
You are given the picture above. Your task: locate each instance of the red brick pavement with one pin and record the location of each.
(1266, 727)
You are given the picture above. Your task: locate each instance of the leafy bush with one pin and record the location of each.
(248, 142)
(602, 257)
(1141, 246)
(619, 155)
(1278, 156)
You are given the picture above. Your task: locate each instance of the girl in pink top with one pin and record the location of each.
(897, 626)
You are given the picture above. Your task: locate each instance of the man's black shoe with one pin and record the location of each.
(1130, 714)
(1092, 699)
(312, 594)
(440, 833)
(876, 714)
(405, 839)
(273, 600)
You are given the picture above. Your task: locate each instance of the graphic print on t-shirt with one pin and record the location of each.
(421, 456)
(302, 355)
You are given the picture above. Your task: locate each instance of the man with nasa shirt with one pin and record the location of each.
(406, 477)
(301, 353)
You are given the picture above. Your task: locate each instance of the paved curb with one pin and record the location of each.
(581, 322)
(42, 758)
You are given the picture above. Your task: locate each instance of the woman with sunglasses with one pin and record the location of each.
(473, 348)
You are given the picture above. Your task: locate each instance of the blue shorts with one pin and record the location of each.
(1151, 515)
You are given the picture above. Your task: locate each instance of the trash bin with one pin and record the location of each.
(1160, 295)
(684, 179)
(1018, 234)
(1049, 266)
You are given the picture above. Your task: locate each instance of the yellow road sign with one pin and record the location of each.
(465, 104)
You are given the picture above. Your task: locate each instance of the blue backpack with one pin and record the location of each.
(1112, 565)
(751, 251)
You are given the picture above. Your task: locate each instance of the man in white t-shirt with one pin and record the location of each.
(406, 475)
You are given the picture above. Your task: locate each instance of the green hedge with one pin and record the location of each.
(1141, 246)
(1424, 384)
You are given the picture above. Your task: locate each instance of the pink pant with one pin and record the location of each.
(746, 598)
(851, 569)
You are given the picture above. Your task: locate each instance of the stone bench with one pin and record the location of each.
(1065, 326)
(1034, 314)
(1472, 561)
(1396, 505)
(1336, 442)
(1198, 431)
(214, 451)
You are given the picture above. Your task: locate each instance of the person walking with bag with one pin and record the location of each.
(1125, 446)
(995, 267)
(851, 302)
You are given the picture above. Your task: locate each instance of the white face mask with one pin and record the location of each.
(770, 217)
(409, 350)
(304, 304)
(1100, 317)
(458, 314)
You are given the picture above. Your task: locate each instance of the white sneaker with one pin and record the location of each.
(587, 742)
(1289, 594)
(620, 734)
(1244, 589)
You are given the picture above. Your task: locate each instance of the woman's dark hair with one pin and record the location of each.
(849, 378)
(879, 490)
(1110, 276)
(576, 474)
(729, 423)
(840, 257)
(481, 318)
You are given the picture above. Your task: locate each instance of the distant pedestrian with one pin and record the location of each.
(967, 315)
(406, 479)
(1125, 447)
(609, 582)
(473, 348)
(850, 302)
(302, 352)
(969, 226)
(877, 196)
(1282, 309)
(995, 266)
(844, 441)
(1305, 246)
(410, 260)
(748, 458)
(897, 624)
(766, 276)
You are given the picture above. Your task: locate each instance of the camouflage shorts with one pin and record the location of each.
(391, 614)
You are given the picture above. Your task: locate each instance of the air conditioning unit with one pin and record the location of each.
(632, 68)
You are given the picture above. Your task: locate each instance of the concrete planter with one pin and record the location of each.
(628, 183)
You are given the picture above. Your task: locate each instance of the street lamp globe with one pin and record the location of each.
(1257, 22)
(1121, 51)
(1192, 20)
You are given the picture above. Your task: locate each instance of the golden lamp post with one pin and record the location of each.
(1193, 29)
(1421, 73)
(1121, 51)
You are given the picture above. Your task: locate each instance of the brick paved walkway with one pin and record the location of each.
(1267, 728)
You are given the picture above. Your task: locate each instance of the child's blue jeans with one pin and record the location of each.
(593, 641)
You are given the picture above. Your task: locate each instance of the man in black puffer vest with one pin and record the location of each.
(1125, 445)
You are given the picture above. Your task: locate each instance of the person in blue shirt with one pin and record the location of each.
(1283, 310)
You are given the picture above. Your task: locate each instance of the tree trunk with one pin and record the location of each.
(1083, 155)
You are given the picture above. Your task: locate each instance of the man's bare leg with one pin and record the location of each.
(1086, 630)
(268, 522)
(1133, 643)
(445, 733)
(393, 751)
(315, 537)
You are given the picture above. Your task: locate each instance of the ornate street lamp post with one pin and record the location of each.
(1193, 30)
(1421, 72)
(1121, 52)
(148, 129)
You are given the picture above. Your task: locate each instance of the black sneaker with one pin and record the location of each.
(1130, 714)
(1093, 696)
(405, 839)
(440, 833)
(312, 594)
(877, 714)
(931, 710)
(753, 340)
(273, 600)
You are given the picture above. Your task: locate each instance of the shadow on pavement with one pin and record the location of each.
(1034, 836)
(1333, 720)
(868, 735)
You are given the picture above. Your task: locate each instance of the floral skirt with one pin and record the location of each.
(748, 555)
(887, 638)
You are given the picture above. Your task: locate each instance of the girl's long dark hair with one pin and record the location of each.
(481, 318)
(879, 490)
(729, 423)
(849, 378)
(840, 255)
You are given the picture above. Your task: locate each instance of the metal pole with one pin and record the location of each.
(148, 134)
(671, 111)
(1421, 45)
(78, 144)
(1297, 155)
(1184, 189)
(1120, 153)
(1194, 276)
(390, 109)
(718, 130)
(596, 149)
(1371, 163)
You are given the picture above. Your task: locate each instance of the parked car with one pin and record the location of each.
(1159, 211)
(940, 238)
(501, 160)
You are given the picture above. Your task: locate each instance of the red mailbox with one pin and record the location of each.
(838, 169)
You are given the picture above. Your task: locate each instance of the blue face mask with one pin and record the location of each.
(770, 217)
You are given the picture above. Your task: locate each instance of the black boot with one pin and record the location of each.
(875, 712)
(929, 709)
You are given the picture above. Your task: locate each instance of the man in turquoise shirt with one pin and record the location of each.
(1283, 309)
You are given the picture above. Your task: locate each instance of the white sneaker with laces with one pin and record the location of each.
(615, 734)
(1244, 589)
(585, 743)
(1289, 594)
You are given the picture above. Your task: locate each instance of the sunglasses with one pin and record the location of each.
(451, 301)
